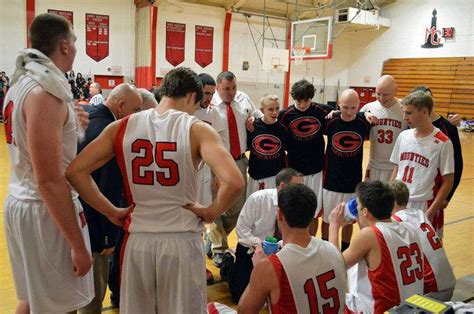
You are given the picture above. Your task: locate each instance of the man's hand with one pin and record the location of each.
(371, 118)
(82, 260)
(454, 119)
(430, 213)
(82, 117)
(107, 251)
(332, 113)
(258, 255)
(336, 217)
(249, 123)
(200, 211)
(119, 215)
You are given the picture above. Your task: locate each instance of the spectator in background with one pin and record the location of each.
(4, 83)
(96, 92)
(80, 81)
(148, 99)
(71, 77)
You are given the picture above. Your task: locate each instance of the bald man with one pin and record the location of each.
(346, 133)
(124, 100)
(385, 132)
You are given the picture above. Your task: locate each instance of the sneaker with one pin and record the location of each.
(217, 259)
(209, 277)
(227, 265)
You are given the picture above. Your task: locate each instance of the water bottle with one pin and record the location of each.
(350, 210)
(270, 245)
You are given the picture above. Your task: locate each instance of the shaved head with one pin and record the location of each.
(385, 90)
(123, 100)
(349, 96)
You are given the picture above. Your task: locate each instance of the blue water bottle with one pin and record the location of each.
(270, 245)
(350, 210)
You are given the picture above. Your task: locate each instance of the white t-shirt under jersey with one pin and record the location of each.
(385, 133)
(422, 161)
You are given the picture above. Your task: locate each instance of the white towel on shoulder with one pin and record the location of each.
(40, 68)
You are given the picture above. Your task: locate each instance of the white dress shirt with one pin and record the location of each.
(243, 108)
(96, 100)
(257, 218)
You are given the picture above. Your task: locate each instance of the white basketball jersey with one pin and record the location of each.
(385, 133)
(154, 154)
(438, 272)
(422, 162)
(399, 275)
(22, 183)
(316, 275)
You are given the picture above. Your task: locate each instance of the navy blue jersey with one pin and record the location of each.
(344, 152)
(267, 145)
(451, 131)
(305, 142)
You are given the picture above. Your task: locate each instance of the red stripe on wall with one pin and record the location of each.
(30, 16)
(288, 74)
(225, 54)
(144, 77)
(153, 46)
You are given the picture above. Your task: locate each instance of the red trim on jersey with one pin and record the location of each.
(212, 309)
(441, 136)
(396, 218)
(286, 302)
(429, 277)
(120, 158)
(438, 219)
(383, 279)
(122, 253)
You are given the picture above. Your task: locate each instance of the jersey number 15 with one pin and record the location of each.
(326, 294)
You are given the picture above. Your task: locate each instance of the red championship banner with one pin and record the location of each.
(68, 15)
(97, 36)
(175, 33)
(204, 45)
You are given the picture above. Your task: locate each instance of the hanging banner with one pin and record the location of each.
(175, 33)
(68, 15)
(97, 36)
(204, 45)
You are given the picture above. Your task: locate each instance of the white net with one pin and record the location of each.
(299, 53)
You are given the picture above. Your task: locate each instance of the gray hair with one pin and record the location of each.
(148, 99)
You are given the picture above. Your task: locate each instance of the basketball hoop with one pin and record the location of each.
(299, 53)
(278, 68)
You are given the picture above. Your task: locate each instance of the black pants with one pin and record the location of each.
(239, 275)
(114, 270)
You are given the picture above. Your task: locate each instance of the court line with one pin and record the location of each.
(459, 220)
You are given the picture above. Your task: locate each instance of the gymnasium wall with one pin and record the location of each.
(121, 28)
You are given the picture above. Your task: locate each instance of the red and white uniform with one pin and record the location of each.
(399, 275)
(312, 279)
(439, 274)
(204, 188)
(421, 164)
(154, 154)
(382, 138)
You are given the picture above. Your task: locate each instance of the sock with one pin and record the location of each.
(344, 245)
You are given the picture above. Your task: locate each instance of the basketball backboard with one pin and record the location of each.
(275, 59)
(314, 37)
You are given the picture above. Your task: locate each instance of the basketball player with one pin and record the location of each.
(439, 277)
(305, 121)
(47, 236)
(267, 145)
(346, 133)
(159, 151)
(307, 275)
(386, 130)
(385, 259)
(423, 158)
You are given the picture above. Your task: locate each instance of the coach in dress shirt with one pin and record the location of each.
(235, 108)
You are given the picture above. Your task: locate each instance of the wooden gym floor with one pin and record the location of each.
(459, 230)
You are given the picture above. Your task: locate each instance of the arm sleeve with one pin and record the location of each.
(458, 161)
(245, 223)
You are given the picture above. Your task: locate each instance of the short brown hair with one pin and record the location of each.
(400, 191)
(420, 100)
(47, 30)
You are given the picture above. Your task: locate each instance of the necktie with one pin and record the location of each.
(233, 132)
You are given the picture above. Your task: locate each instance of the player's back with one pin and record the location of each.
(438, 271)
(399, 275)
(154, 153)
(312, 279)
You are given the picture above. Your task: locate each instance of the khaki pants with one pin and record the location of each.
(224, 224)
(101, 277)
